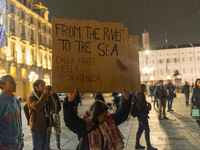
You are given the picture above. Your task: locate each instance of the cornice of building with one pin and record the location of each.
(29, 11)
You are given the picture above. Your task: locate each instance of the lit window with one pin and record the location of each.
(190, 58)
(183, 59)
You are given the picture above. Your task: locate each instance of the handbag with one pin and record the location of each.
(195, 113)
(56, 123)
(148, 106)
(173, 95)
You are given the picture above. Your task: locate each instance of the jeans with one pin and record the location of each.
(162, 106)
(39, 140)
(48, 138)
(170, 100)
(155, 101)
(57, 139)
(187, 98)
(143, 125)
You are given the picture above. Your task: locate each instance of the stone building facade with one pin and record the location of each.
(28, 54)
(186, 60)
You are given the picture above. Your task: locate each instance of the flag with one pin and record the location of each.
(3, 37)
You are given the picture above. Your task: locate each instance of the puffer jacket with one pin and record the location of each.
(38, 121)
(195, 99)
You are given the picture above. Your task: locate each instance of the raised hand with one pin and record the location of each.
(72, 96)
(125, 94)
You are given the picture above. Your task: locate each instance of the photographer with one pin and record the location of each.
(40, 104)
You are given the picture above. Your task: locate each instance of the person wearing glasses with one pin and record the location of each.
(97, 129)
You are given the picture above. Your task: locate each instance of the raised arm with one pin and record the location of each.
(72, 121)
(122, 113)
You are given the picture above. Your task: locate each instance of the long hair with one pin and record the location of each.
(97, 108)
(196, 86)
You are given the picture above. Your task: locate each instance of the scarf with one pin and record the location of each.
(113, 138)
(38, 94)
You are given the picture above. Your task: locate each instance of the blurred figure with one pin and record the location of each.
(99, 96)
(151, 91)
(55, 122)
(155, 98)
(170, 91)
(186, 91)
(143, 120)
(196, 98)
(161, 95)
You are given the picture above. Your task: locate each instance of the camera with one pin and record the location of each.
(49, 88)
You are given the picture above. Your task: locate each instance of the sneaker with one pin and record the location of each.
(151, 148)
(165, 118)
(171, 110)
(138, 146)
(160, 119)
(168, 110)
(58, 148)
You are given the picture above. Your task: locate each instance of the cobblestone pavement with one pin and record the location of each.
(180, 132)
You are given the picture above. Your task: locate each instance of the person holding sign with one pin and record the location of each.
(97, 129)
(195, 99)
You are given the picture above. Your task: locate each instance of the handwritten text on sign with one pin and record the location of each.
(87, 53)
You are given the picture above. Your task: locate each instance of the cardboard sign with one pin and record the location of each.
(93, 57)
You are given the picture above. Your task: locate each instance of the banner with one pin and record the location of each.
(145, 39)
(93, 57)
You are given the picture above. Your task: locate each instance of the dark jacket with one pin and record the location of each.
(195, 99)
(160, 92)
(151, 90)
(56, 98)
(142, 105)
(99, 97)
(170, 89)
(186, 89)
(78, 125)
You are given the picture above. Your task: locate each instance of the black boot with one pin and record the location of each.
(138, 146)
(149, 147)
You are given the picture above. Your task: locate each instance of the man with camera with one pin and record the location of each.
(40, 104)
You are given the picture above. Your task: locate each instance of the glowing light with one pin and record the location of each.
(147, 70)
(152, 78)
(168, 77)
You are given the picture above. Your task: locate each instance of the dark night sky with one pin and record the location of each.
(180, 19)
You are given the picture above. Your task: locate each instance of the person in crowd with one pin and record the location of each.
(56, 128)
(99, 96)
(155, 99)
(161, 95)
(11, 136)
(186, 91)
(40, 104)
(97, 129)
(143, 120)
(195, 99)
(170, 91)
(151, 91)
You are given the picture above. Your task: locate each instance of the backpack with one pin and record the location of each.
(26, 111)
(134, 106)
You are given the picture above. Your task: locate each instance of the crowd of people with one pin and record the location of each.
(97, 129)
